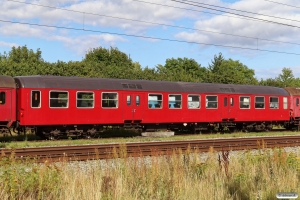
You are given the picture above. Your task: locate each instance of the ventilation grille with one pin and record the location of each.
(132, 86)
(227, 89)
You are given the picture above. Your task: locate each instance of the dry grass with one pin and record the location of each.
(180, 175)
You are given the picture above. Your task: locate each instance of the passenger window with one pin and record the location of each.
(245, 102)
(225, 101)
(174, 101)
(137, 100)
(193, 101)
(211, 102)
(35, 99)
(285, 103)
(297, 102)
(155, 101)
(85, 100)
(2, 98)
(128, 100)
(259, 102)
(59, 99)
(110, 100)
(274, 103)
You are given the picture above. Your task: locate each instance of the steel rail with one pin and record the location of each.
(110, 151)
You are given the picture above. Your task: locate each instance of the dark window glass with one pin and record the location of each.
(85, 100)
(259, 102)
(35, 99)
(297, 102)
(274, 104)
(211, 102)
(110, 100)
(244, 102)
(155, 101)
(2, 98)
(59, 99)
(174, 101)
(225, 101)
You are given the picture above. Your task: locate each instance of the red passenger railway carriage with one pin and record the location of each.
(89, 103)
(54, 105)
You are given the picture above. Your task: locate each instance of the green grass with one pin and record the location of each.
(122, 137)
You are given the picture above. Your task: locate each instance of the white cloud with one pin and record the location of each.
(249, 28)
(7, 44)
(84, 43)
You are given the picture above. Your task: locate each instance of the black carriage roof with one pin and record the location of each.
(79, 83)
(7, 82)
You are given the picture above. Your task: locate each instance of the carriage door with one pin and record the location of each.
(229, 107)
(5, 105)
(133, 104)
(297, 106)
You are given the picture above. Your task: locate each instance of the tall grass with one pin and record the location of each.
(179, 175)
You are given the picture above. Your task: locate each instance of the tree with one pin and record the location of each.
(182, 69)
(232, 72)
(216, 63)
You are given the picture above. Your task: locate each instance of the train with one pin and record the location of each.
(54, 106)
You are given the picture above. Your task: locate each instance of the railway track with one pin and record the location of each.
(108, 151)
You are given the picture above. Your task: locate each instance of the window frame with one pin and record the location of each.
(274, 108)
(244, 101)
(193, 101)
(206, 101)
(175, 101)
(118, 100)
(59, 98)
(3, 92)
(85, 99)
(40, 103)
(264, 103)
(161, 104)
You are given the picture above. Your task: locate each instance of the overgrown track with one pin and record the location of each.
(107, 151)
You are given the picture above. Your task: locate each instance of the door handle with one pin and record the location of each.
(133, 110)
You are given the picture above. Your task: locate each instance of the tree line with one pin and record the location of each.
(112, 63)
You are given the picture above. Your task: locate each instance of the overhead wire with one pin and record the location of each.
(148, 37)
(274, 22)
(282, 4)
(153, 23)
(241, 11)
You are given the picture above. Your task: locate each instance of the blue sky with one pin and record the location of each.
(153, 19)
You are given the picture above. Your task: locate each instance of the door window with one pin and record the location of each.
(2, 98)
(231, 101)
(137, 100)
(297, 102)
(128, 100)
(35, 99)
(225, 101)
